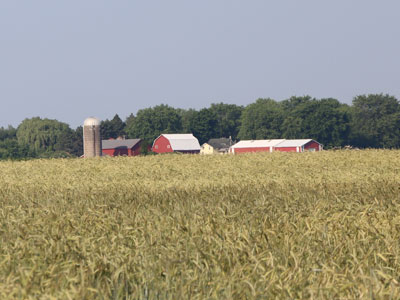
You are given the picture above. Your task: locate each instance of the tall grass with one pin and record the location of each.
(261, 226)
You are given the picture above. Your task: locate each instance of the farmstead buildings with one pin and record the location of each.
(186, 143)
(281, 145)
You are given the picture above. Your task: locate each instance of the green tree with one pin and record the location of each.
(8, 133)
(113, 128)
(149, 123)
(186, 116)
(203, 125)
(375, 121)
(325, 120)
(228, 119)
(9, 146)
(41, 135)
(261, 120)
(129, 123)
(70, 143)
(11, 149)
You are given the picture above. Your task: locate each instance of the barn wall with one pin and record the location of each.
(135, 150)
(109, 152)
(161, 145)
(116, 151)
(285, 149)
(249, 150)
(123, 151)
(312, 145)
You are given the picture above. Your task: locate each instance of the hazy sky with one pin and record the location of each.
(67, 60)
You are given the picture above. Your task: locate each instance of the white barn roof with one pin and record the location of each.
(294, 143)
(183, 142)
(257, 143)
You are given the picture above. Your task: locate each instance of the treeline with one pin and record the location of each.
(372, 121)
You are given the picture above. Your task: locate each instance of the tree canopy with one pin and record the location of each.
(149, 123)
(261, 120)
(375, 121)
(45, 135)
(113, 128)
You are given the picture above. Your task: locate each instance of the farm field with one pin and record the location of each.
(253, 226)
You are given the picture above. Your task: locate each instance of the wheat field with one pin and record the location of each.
(255, 226)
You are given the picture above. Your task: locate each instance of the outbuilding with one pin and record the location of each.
(129, 147)
(216, 146)
(301, 145)
(255, 146)
(182, 143)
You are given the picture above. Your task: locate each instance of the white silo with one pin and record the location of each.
(91, 138)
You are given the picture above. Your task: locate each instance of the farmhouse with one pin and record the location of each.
(183, 143)
(298, 146)
(216, 146)
(129, 147)
(255, 146)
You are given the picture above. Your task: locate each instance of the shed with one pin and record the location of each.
(255, 146)
(216, 146)
(129, 147)
(183, 143)
(301, 145)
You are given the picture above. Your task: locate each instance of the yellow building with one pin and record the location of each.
(216, 146)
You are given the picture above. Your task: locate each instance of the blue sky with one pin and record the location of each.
(67, 60)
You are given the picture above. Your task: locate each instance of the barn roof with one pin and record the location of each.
(222, 143)
(257, 143)
(183, 142)
(113, 144)
(294, 143)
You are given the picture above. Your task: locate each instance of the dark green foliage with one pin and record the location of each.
(10, 149)
(261, 120)
(186, 117)
(8, 133)
(149, 123)
(9, 146)
(325, 120)
(45, 135)
(375, 121)
(112, 128)
(203, 125)
(228, 119)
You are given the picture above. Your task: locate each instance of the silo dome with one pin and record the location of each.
(92, 121)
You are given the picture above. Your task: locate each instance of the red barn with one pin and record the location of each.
(298, 146)
(183, 143)
(130, 147)
(254, 146)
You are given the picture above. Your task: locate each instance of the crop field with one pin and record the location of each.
(255, 226)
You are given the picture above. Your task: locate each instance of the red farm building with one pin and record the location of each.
(298, 146)
(129, 147)
(254, 146)
(281, 145)
(183, 143)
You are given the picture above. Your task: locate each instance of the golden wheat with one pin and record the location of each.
(259, 226)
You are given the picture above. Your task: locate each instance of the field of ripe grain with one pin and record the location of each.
(259, 226)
